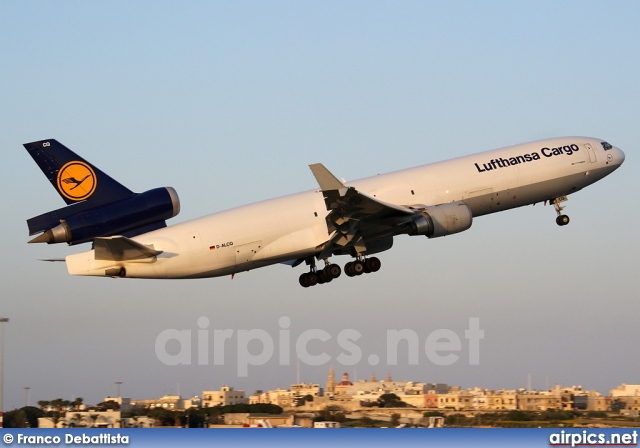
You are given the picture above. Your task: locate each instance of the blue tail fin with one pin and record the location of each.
(74, 178)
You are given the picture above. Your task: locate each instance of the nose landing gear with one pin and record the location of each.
(561, 220)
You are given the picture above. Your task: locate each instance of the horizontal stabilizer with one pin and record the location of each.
(121, 248)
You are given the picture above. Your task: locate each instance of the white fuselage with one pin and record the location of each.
(293, 227)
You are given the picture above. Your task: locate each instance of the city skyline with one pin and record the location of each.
(322, 384)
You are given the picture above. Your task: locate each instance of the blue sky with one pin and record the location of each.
(228, 102)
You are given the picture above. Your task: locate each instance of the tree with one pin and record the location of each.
(391, 401)
(77, 403)
(192, 418)
(163, 417)
(32, 414)
(14, 419)
(395, 419)
(108, 405)
(94, 418)
(519, 416)
(331, 414)
(44, 404)
(78, 419)
(366, 422)
(58, 404)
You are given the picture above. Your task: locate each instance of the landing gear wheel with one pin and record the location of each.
(304, 282)
(348, 269)
(312, 278)
(372, 264)
(333, 270)
(324, 276)
(562, 220)
(358, 267)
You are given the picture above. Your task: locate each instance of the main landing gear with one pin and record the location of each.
(358, 267)
(315, 277)
(561, 220)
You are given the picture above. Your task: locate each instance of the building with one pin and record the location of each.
(326, 425)
(170, 402)
(457, 400)
(303, 389)
(258, 420)
(531, 400)
(83, 419)
(625, 397)
(279, 397)
(226, 396)
(430, 400)
(331, 382)
(625, 390)
(501, 400)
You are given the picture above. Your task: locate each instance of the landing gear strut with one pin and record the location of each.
(561, 220)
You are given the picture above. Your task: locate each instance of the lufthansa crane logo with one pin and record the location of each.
(76, 181)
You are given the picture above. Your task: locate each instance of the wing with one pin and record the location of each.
(354, 218)
(121, 248)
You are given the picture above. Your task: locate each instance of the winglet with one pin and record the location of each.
(326, 180)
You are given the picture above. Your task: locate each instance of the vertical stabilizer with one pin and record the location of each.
(74, 178)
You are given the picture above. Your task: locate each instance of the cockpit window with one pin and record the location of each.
(606, 146)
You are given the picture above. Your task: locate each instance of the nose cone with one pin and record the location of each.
(618, 156)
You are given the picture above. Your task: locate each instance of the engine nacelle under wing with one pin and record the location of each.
(442, 220)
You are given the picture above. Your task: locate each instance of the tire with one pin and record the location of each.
(358, 267)
(312, 278)
(334, 270)
(348, 269)
(562, 220)
(324, 276)
(373, 264)
(304, 281)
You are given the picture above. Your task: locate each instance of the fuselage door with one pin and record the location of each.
(592, 153)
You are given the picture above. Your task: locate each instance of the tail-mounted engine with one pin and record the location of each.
(75, 224)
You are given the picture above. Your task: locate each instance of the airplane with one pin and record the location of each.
(130, 237)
